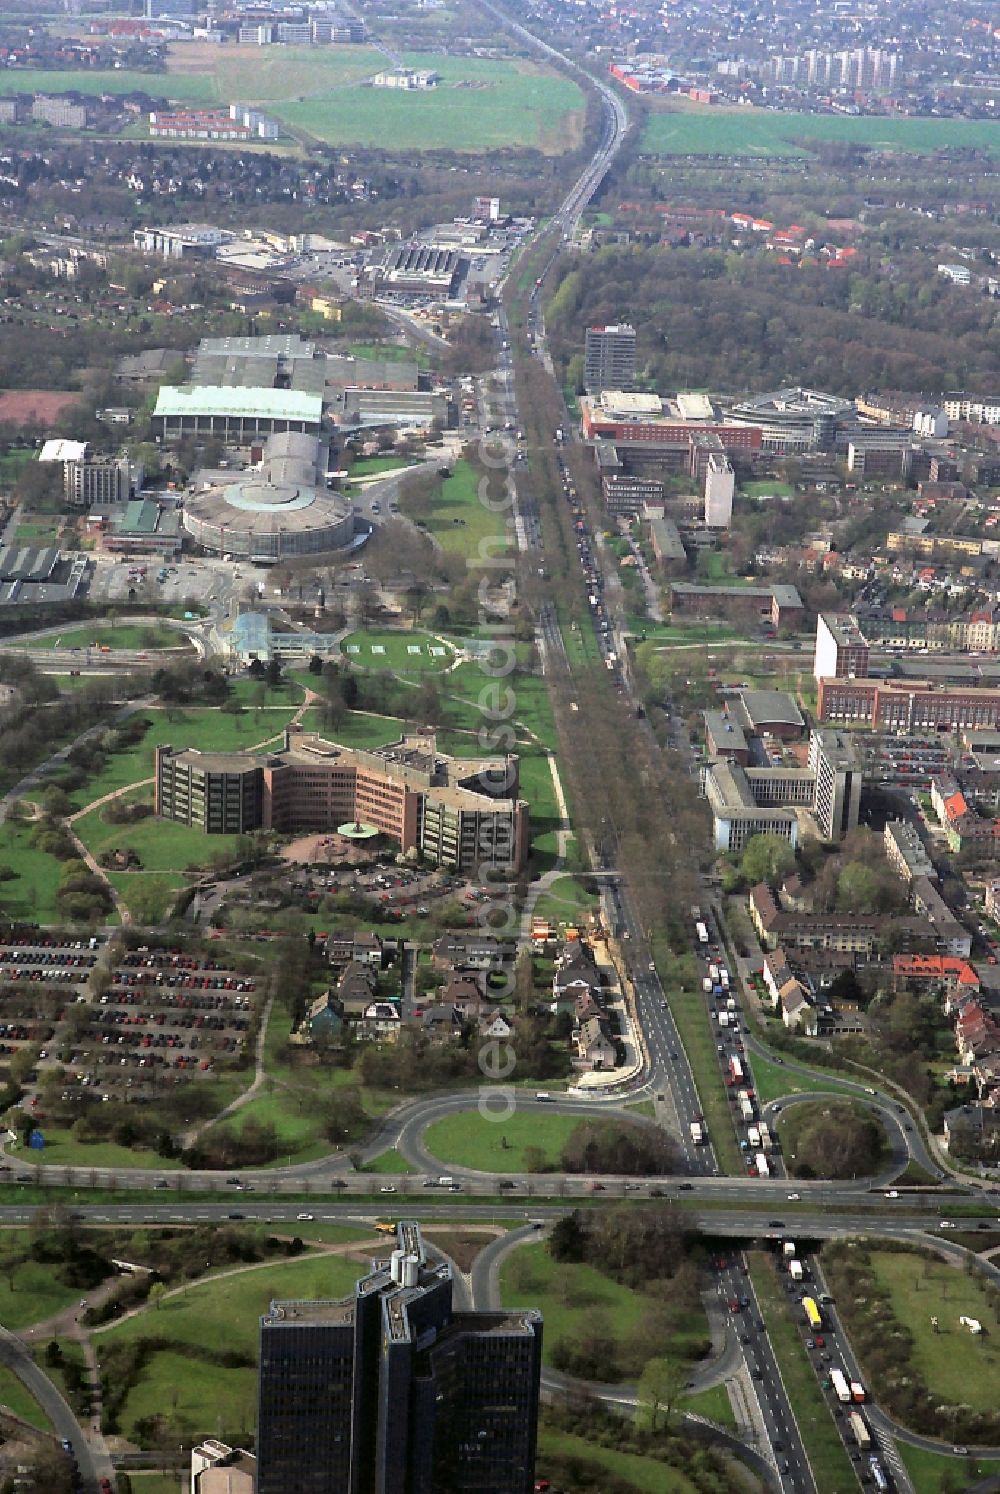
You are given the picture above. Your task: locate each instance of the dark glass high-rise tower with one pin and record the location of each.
(394, 1392)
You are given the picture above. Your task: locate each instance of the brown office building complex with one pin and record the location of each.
(906, 706)
(457, 811)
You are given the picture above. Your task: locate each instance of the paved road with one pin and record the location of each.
(15, 1357)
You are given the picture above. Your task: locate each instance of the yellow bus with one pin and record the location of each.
(813, 1315)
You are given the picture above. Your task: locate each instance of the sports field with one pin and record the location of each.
(768, 132)
(402, 652)
(480, 104)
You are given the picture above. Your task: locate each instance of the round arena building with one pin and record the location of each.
(273, 512)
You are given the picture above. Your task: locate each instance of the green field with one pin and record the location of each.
(566, 901)
(460, 523)
(161, 845)
(958, 1368)
(288, 1101)
(480, 104)
(360, 649)
(32, 892)
(358, 728)
(469, 1140)
(567, 1294)
(217, 75)
(928, 1470)
(767, 132)
(37, 532)
(226, 1311)
(766, 488)
(204, 727)
(152, 635)
(774, 1081)
(387, 352)
(21, 1402)
(646, 1475)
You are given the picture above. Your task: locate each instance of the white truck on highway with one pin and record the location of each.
(859, 1430)
(795, 1270)
(763, 1167)
(841, 1389)
(697, 1134)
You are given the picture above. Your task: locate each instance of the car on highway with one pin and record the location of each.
(387, 1188)
(946, 1224)
(794, 1197)
(305, 1216)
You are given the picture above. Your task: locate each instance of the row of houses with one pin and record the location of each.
(578, 986)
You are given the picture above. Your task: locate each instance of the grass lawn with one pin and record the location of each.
(124, 635)
(32, 893)
(773, 1081)
(161, 845)
(34, 533)
(566, 901)
(469, 1140)
(581, 645)
(183, 1388)
(390, 1163)
(148, 895)
(958, 1368)
(402, 651)
(288, 1101)
(748, 132)
(480, 104)
(210, 75)
(204, 727)
(358, 728)
(388, 352)
(226, 1311)
(831, 1466)
(647, 1475)
(714, 1404)
(30, 1292)
(63, 1150)
(461, 523)
(21, 1402)
(927, 1470)
(567, 1293)
(768, 487)
(376, 466)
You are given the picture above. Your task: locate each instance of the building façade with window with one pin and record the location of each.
(458, 812)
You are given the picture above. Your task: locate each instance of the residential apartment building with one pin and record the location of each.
(393, 1391)
(834, 760)
(906, 707)
(464, 813)
(841, 650)
(905, 851)
(850, 933)
(99, 481)
(609, 358)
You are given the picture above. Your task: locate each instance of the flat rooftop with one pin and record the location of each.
(250, 403)
(764, 706)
